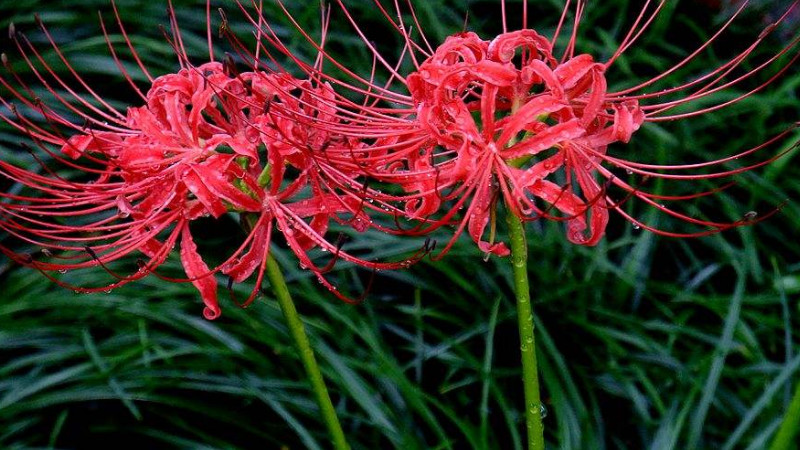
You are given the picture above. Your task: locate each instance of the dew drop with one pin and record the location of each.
(636, 226)
(539, 409)
(750, 215)
(62, 270)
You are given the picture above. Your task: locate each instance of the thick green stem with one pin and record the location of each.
(530, 377)
(298, 333)
(786, 438)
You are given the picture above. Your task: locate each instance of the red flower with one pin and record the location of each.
(208, 142)
(509, 118)
(548, 113)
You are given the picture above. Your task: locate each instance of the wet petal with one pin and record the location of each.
(196, 268)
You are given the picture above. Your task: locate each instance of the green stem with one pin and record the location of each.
(306, 353)
(530, 377)
(786, 437)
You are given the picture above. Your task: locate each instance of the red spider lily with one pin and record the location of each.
(478, 120)
(208, 142)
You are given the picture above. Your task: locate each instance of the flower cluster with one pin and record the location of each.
(480, 120)
(208, 141)
(477, 123)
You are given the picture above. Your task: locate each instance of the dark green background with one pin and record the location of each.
(644, 341)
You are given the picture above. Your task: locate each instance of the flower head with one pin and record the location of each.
(511, 117)
(208, 141)
(508, 126)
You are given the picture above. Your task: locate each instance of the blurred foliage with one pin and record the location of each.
(644, 341)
